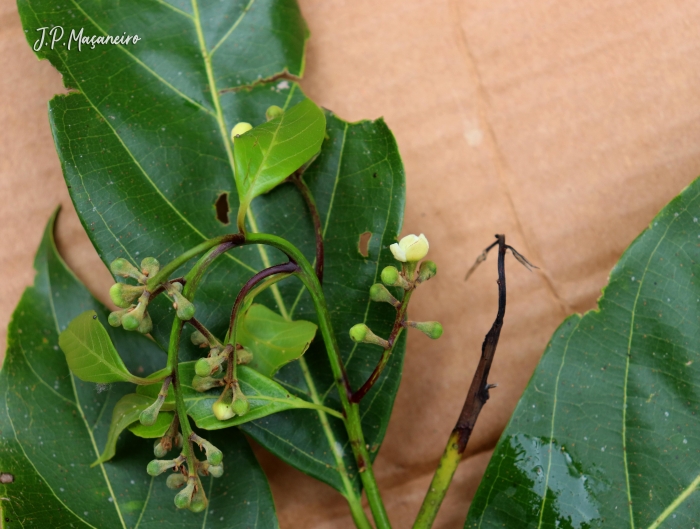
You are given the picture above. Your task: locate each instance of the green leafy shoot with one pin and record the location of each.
(91, 355)
(266, 155)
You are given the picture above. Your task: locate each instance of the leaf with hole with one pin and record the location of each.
(273, 340)
(53, 426)
(91, 355)
(607, 432)
(143, 140)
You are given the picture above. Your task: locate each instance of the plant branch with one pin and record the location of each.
(298, 180)
(399, 324)
(476, 398)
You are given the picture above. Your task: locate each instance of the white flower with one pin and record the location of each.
(410, 249)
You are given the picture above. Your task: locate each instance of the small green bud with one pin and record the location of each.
(392, 278)
(132, 320)
(149, 416)
(214, 455)
(184, 497)
(158, 466)
(124, 295)
(432, 329)
(239, 129)
(183, 306)
(146, 324)
(175, 481)
(159, 449)
(244, 356)
(150, 266)
(201, 384)
(115, 318)
(208, 366)
(427, 270)
(240, 405)
(199, 339)
(272, 112)
(379, 293)
(122, 267)
(199, 499)
(360, 333)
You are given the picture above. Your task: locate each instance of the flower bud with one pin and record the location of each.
(175, 481)
(239, 129)
(410, 249)
(149, 416)
(379, 293)
(206, 383)
(273, 111)
(132, 320)
(222, 407)
(115, 318)
(392, 278)
(122, 267)
(183, 306)
(360, 333)
(158, 466)
(146, 324)
(427, 270)
(205, 367)
(160, 449)
(199, 499)
(244, 356)
(150, 266)
(199, 339)
(432, 329)
(207, 469)
(124, 295)
(240, 405)
(184, 497)
(214, 455)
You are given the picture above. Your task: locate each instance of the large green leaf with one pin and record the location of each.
(52, 426)
(607, 432)
(143, 139)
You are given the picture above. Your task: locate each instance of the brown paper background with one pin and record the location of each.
(566, 124)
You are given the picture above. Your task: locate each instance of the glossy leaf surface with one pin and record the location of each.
(90, 353)
(268, 154)
(143, 139)
(53, 426)
(607, 432)
(273, 340)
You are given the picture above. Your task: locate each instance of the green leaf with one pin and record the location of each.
(273, 340)
(264, 395)
(53, 425)
(268, 154)
(607, 432)
(143, 139)
(124, 413)
(91, 354)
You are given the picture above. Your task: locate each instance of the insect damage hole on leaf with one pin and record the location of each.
(222, 208)
(363, 243)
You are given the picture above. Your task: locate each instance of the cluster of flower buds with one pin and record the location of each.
(192, 495)
(409, 250)
(231, 402)
(132, 299)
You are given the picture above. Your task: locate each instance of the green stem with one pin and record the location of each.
(440, 483)
(352, 411)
